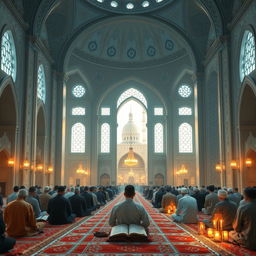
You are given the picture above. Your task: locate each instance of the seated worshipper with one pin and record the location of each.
(233, 197)
(168, 200)
(6, 244)
(59, 209)
(179, 196)
(34, 202)
(187, 209)
(226, 209)
(96, 204)
(128, 212)
(70, 192)
(13, 196)
(20, 219)
(210, 200)
(78, 204)
(236, 193)
(101, 196)
(244, 225)
(88, 199)
(200, 198)
(158, 198)
(44, 198)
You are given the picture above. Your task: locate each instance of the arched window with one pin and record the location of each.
(78, 111)
(78, 91)
(41, 83)
(78, 138)
(132, 93)
(247, 54)
(8, 55)
(105, 138)
(159, 138)
(185, 111)
(185, 138)
(185, 91)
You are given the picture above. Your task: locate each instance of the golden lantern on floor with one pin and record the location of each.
(130, 160)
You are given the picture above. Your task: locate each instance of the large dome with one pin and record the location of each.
(130, 134)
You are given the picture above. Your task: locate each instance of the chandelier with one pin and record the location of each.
(130, 160)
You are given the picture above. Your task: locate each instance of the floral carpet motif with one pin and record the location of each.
(167, 238)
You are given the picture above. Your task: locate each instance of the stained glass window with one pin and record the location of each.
(247, 54)
(184, 111)
(105, 111)
(8, 55)
(159, 138)
(184, 91)
(41, 83)
(158, 111)
(185, 138)
(78, 138)
(78, 111)
(78, 91)
(105, 138)
(131, 93)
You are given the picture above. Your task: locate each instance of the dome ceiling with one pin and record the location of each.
(130, 6)
(127, 40)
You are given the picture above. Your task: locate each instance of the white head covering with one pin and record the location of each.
(222, 194)
(184, 191)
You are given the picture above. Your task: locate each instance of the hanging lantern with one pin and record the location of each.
(50, 169)
(11, 162)
(233, 164)
(248, 162)
(130, 160)
(80, 170)
(26, 164)
(218, 167)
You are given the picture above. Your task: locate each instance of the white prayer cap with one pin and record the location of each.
(222, 193)
(23, 193)
(230, 190)
(184, 191)
(46, 189)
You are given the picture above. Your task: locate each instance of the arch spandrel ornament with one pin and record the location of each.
(250, 143)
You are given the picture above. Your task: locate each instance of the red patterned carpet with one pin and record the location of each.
(167, 238)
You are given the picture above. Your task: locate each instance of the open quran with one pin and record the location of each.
(126, 233)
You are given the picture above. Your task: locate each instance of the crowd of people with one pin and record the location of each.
(237, 211)
(26, 208)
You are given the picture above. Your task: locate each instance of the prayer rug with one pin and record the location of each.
(167, 238)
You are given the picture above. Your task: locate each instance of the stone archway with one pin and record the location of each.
(7, 137)
(159, 179)
(40, 147)
(247, 119)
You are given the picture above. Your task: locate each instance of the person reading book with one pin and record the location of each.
(128, 213)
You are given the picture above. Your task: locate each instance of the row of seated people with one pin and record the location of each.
(238, 212)
(24, 207)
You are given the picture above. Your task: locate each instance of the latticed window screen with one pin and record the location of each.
(247, 55)
(41, 83)
(184, 91)
(78, 138)
(8, 55)
(185, 111)
(78, 91)
(185, 138)
(159, 138)
(78, 111)
(158, 111)
(105, 111)
(105, 138)
(132, 93)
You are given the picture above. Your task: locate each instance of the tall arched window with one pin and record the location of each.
(78, 138)
(159, 138)
(105, 138)
(41, 83)
(8, 55)
(247, 54)
(185, 138)
(132, 93)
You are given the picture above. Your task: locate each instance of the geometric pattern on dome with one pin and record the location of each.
(128, 40)
(132, 93)
(247, 55)
(8, 55)
(78, 91)
(41, 91)
(184, 91)
(159, 138)
(105, 138)
(185, 138)
(130, 6)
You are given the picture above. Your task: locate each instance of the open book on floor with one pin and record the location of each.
(42, 218)
(125, 233)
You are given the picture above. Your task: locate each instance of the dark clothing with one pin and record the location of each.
(200, 198)
(6, 244)
(1, 201)
(158, 199)
(78, 206)
(59, 210)
(88, 200)
(100, 197)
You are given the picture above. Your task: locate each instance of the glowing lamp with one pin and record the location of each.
(225, 236)
(11, 162)
(233, 164)
(218, 167)
(210, 232)
(80, 170)
(217, 236)
(130, 160)
(248, 162)
(201, 228)
(50, 169)
(26, 164)
(40, 167)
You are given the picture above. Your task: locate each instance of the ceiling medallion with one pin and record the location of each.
(130, 6)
